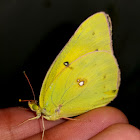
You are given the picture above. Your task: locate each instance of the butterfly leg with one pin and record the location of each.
(34, 118)
(71, 119)
(43, 127)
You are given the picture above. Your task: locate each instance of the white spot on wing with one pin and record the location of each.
(81, 83)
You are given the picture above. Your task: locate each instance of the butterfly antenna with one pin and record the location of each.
(29, 84)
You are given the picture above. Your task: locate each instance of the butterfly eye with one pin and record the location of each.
(66, 64)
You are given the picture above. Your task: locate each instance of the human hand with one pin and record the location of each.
(105, 123)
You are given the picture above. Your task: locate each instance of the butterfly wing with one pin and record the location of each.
(93, 34)
(89, 82)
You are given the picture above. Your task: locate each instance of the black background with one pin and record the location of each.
(33, 32)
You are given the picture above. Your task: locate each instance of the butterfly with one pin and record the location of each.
(85, 74)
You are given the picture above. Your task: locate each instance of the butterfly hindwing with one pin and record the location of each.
(87, 83)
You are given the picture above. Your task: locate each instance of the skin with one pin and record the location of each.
(105, 123)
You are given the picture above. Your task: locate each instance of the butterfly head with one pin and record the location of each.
(42, 111)
(34, 107)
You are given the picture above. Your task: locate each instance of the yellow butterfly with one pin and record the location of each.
(85, 74)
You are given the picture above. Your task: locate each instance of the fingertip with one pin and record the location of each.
(119, 132)
(113, 114)
(107, 115)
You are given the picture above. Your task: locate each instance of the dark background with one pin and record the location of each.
(32, 33)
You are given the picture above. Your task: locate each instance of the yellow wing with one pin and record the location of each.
(89, 82)
(93, 34)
